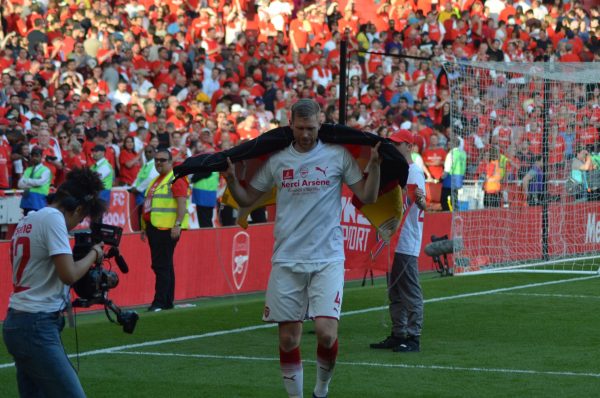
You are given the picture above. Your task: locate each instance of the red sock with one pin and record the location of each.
(328, 355)
(292, 372)
(291, 357)
(325, 363)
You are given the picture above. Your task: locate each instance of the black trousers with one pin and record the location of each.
(258, 215)
(162, 248)
(226, 216)
(205, 215)
(446, 192)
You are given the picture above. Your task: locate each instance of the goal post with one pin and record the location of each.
(530, 200)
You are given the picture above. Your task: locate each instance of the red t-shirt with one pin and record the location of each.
(504, 137)
(127, 175)
(535, 142)
(434, 160)
(299, 34)
(5, 164)
(557, 150)
(72, 162)
(426, 134)
(587, 136)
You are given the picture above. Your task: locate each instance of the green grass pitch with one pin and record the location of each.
(502, 335)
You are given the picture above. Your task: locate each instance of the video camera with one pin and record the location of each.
(93, 287)
(438, 250)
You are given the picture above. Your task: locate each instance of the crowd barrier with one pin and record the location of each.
(230, 260)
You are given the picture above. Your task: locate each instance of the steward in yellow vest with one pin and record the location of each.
(164, 216)
(36, 183)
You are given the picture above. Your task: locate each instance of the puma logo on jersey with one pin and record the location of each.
(324, 171)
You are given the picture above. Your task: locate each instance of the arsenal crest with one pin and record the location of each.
(240, 253)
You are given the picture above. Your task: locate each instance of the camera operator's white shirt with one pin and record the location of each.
(39, 236)
(309, 205)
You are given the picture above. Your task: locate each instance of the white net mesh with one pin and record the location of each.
(530, 197)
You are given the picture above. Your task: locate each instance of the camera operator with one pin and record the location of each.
(43, 267)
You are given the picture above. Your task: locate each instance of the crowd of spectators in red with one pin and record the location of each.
(202, 75)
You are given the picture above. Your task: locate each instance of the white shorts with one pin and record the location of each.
(291, 296)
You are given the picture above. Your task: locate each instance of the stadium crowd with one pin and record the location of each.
(80, 77)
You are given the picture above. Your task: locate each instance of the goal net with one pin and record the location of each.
(530, 198)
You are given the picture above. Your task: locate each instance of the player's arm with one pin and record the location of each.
(367, 189)
(244, 196)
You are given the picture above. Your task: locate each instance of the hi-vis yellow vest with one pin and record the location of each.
(163, 212)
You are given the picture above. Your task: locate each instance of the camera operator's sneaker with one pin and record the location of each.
(411, 344)
(389, 342)
(154, 309)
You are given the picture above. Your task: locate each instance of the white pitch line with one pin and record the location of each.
(573, 296)
(370, 364)
(270, 325)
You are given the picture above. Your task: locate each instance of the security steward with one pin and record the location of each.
(164, 216)
(35, 183)
(103, 167)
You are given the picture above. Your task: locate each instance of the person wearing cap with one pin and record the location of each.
(206, 141)
(404, 289)
(263, 115)
(103, 167)
(35, 183)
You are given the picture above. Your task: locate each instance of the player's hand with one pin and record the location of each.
(229, 174)
(143, 236)
(375, 158)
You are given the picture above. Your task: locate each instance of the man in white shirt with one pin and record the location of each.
(406, 297)
(308, 258)
(210, 84)
(120, 95)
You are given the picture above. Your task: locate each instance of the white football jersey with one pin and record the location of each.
(309, 206)
(36, 285)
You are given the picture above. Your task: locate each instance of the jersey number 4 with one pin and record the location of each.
(20, 253)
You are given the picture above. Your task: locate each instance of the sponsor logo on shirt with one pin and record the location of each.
(305, 183)
(288, 174)
(324, 171)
